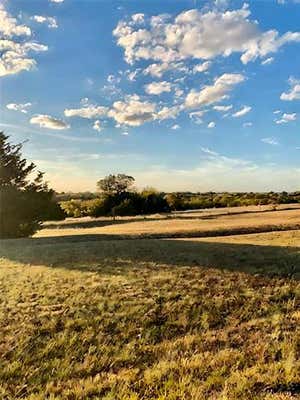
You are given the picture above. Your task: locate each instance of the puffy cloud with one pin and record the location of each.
(211, 125)
(285, 118)
(14, 51)
(247, 124)
(214, 93)
(19, 107)
(56, 1)
(192, 35)
(138, 18)
(270, 140)
(9, 26)
(202, 67)
(132, 111)
(50, 21)
(46, 121)
(157, 70)
(168, 112)
(175, 127)
(294, 93)
(97, 126)
(157, 88)
(243, 111)
(223, 108)
(88, 111)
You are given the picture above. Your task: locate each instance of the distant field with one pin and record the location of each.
(207, 223)
(197, 319)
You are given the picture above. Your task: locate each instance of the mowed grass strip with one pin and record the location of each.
(195, 226)
(150, 319)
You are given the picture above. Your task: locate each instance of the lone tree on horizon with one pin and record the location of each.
(115, 184)
(25, 199)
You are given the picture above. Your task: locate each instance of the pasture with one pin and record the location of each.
(148, 309)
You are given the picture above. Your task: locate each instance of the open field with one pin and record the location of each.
(195, 224)
(196, 318)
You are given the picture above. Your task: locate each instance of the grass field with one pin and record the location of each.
(210, 223)
(82, 317)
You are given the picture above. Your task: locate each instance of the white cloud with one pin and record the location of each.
(285, 118)
(19, 107)
(56, 1)
(168, 112)
(175, 127)
(214, 93)
(270, 140)
(243, 111)
(223, 108)
(46, 121)
(14, 48)
(211, 125)
(132, 111)
(294, 93)
(156, 88)
(9, 26)
(50, 21)
(267, 61)
(192, 35)
(247, 124)
(202, 67)
(277, 112)
(97, 126)
(138, 18)
(88, 111)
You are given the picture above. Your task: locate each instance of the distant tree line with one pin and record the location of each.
(128, 201)
(26, 200)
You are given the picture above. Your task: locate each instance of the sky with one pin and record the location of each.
(184, 95)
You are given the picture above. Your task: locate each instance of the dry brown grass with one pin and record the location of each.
(183, 225)
(200, 319)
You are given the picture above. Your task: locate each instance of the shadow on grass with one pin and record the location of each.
(92, 252)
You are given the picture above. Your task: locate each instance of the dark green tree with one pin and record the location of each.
(115, 184)
(25, 199)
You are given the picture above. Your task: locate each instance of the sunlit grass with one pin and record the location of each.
(150, 319)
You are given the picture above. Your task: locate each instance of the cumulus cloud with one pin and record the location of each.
(270, 140)
(56, 1)
(97, 126)
(14, 47)
(211, 125)
(156, 88)
(9, 26)
(202, 67)
(243, 111)
(88, 111)
(175, 127)
(192, 35)
(285, 118)
(46, 121)
(19, 107)
(294, 93)
(214, 93)
(49, 21)
(132, 111)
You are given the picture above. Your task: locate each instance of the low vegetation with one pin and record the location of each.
(94, 204)
(150, 319)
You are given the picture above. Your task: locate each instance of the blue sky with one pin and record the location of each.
(183, 95)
